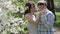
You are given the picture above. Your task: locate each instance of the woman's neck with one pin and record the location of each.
(30, 13)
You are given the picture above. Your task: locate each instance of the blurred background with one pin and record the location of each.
(12, 16)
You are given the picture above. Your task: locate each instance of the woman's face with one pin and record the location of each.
(32, 8)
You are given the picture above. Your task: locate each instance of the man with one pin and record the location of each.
(46, 19)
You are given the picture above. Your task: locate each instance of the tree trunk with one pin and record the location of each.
(52, 8)
(48, 4)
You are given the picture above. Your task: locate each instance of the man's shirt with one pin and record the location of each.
(46, 23)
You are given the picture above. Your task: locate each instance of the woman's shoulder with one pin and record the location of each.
(27, 15)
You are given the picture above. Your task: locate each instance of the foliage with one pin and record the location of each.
(19, 2)
(57, 5)
(57, 22)
(11, 20)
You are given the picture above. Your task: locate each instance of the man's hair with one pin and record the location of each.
(41, 3)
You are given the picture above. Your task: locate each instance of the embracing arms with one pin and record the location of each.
(32, 19)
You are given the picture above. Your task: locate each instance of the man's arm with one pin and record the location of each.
(49, 20)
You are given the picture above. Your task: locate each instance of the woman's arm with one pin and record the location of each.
(31, 20)
(38, 18)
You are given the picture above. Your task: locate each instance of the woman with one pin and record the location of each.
(29, 15)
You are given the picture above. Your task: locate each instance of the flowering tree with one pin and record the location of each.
(10, 21)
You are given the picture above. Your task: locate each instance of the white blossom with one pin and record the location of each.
(9, 23)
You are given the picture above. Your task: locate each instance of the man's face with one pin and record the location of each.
(41, 6)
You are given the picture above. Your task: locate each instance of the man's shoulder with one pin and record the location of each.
(49, 12)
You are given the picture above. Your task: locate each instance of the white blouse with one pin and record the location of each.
(32, 28)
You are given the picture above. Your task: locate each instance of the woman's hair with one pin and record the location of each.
(28, 4)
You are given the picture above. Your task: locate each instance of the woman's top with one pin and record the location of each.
(32, 28)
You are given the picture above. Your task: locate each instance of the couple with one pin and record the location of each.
(43, 22)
